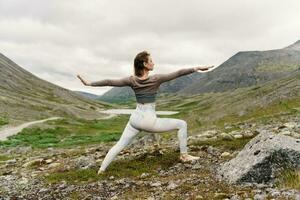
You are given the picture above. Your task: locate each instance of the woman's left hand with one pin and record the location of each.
(203, 68)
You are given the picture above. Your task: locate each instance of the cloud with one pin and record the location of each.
(58, 39)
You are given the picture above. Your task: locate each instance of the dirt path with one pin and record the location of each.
(8, 131)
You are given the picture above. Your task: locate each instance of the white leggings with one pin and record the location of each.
(144, 118)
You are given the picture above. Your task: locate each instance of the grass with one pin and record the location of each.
(69, 133)
(262, 114)
(289, 178)
(122, 168)
(82, 176)
(3, 121)
(277, 68)
(235, 144)
(4, 157)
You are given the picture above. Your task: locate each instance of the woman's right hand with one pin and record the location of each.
(83, 81)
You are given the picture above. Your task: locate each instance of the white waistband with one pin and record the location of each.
(152, 103)
(145, 105)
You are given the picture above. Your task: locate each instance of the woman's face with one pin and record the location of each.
(149, 65)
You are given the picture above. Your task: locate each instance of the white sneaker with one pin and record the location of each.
(100, 171)
(188, 158)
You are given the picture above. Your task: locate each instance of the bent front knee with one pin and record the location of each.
(182, 124)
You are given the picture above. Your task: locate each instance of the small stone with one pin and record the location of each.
(220, 195)
(33, 162)
(248, 133)
(53, 165)
(199, 197)
(210, 150)
(48, 161)
(260, 197)
(114, 197)
(238, 136)
(285, 132)
(225, 154)
(155, 184)
(235, 197)
(296, 135)
(226, 136)
(144, 175)
(196, 166)
(11, 162)
(172, 185)
(290, 125)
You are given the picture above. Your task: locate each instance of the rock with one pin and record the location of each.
(235, 197)
(53, 165)
(11, 162)
(220, 195)
(296, 135)
(225, 154)
(50, 149)
(38, 161)
(260, 196)
(235, 132)
(248, 133)
(199, 197)
(114, 197)
(242, 113)
(213, 138)
(208, 134)
(285, 132)
(20, 150)
(197, 166)
(225, 136)
(85, 162)
(261, 159)
(155, 184)
(275, 193)
(144, 175)
(238, 136)
(23, 181)
(48, 161)
(290, 125)
(211, 150)
(172, 185)
(297, 196)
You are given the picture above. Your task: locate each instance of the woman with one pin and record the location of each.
(144, 116)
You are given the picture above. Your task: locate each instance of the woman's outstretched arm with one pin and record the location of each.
(170, 76)
(108, 82)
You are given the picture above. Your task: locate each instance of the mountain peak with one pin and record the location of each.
(295, 46)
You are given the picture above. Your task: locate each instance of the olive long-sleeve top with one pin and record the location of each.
(145, 89)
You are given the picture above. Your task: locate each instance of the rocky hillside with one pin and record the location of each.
(142, 171)
(249, 68)
(25, 97)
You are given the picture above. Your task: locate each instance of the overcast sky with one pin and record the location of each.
(58, 39)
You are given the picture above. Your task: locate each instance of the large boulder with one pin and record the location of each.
(262, 159)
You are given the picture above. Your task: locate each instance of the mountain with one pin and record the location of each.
(87, 94)
(119, 94)
(249, 68)
(25, 97)
(243, 69)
